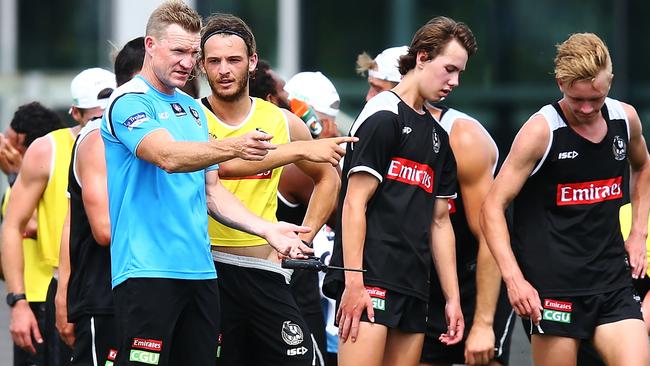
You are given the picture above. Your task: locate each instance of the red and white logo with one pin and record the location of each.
(589, 192)
(376, 292)
(451, 204)
(558, 305)
(112, 354)
(148, 344)
(411, 172)
(264, 175)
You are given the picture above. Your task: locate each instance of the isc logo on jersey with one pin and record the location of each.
(589, 192)
(567, 155)
(411, 172)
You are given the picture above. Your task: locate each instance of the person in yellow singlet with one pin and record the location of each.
(257, 306)
(642, 285)
(30, 121)
(41, 185)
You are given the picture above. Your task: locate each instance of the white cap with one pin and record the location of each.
(388, 64)
(315, 89)
(86, 86)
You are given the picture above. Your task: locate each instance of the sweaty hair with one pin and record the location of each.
(365, 63)
(230, 25)
(581, 57)
(433, 37)
(129, 60)
(173, 12)
(35, 120)
(261, 83)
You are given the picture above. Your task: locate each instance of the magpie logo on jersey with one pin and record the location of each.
(411, 172)
(196, 116)
(619, 148)
(557, 311)
(377, 296)
(589, 192)
(178, 109)
(292, 333)
(436, 141)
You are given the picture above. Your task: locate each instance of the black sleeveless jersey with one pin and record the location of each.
(89, 287)
(410, 156)
(566, 232)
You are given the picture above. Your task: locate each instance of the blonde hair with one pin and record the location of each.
(173, 12)
(581, 57)
(365, 63)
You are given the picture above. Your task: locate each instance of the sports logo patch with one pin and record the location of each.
(178, 109)
(557, 311)
(196, 115)
(589, 192)
(411, 172)
(436, 141)
(292, 333)
(148, 344)
(150, 358)
(619, 148)
(451, 204)
(135, 120)
(377, 296)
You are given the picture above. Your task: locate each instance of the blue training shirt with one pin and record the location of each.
(159, 225)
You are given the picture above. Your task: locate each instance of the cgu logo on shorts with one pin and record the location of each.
(411, 172)
(377, 296)
(589, 192)
(144, 357)
(557, 311)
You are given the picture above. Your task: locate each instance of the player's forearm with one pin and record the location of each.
(495, 229)
(353, 235)
(322, 201)
(488, 285)
(283, 155)
(640, 197)
(12, 258)
(443, 250)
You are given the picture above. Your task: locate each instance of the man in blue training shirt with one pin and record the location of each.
(162, 171)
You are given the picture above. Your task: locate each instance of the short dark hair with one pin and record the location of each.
(228, 24)
(432, 39)
(261, 82)
(35, 120)
(129, 60)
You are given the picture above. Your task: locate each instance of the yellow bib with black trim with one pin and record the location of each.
(53, 205)
(625, 217)
(258, 192)
(37, 274)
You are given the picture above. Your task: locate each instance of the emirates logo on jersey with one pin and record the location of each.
(558, 305)
(264, 175)
(411, 172)
(589, 192)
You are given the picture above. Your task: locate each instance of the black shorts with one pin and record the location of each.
(578, 316)
(434, 351)
(26, 358)
(642, 286)
(165, 321)
(261, 322)
(95, 340)
(56, 351)
(393, 309)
